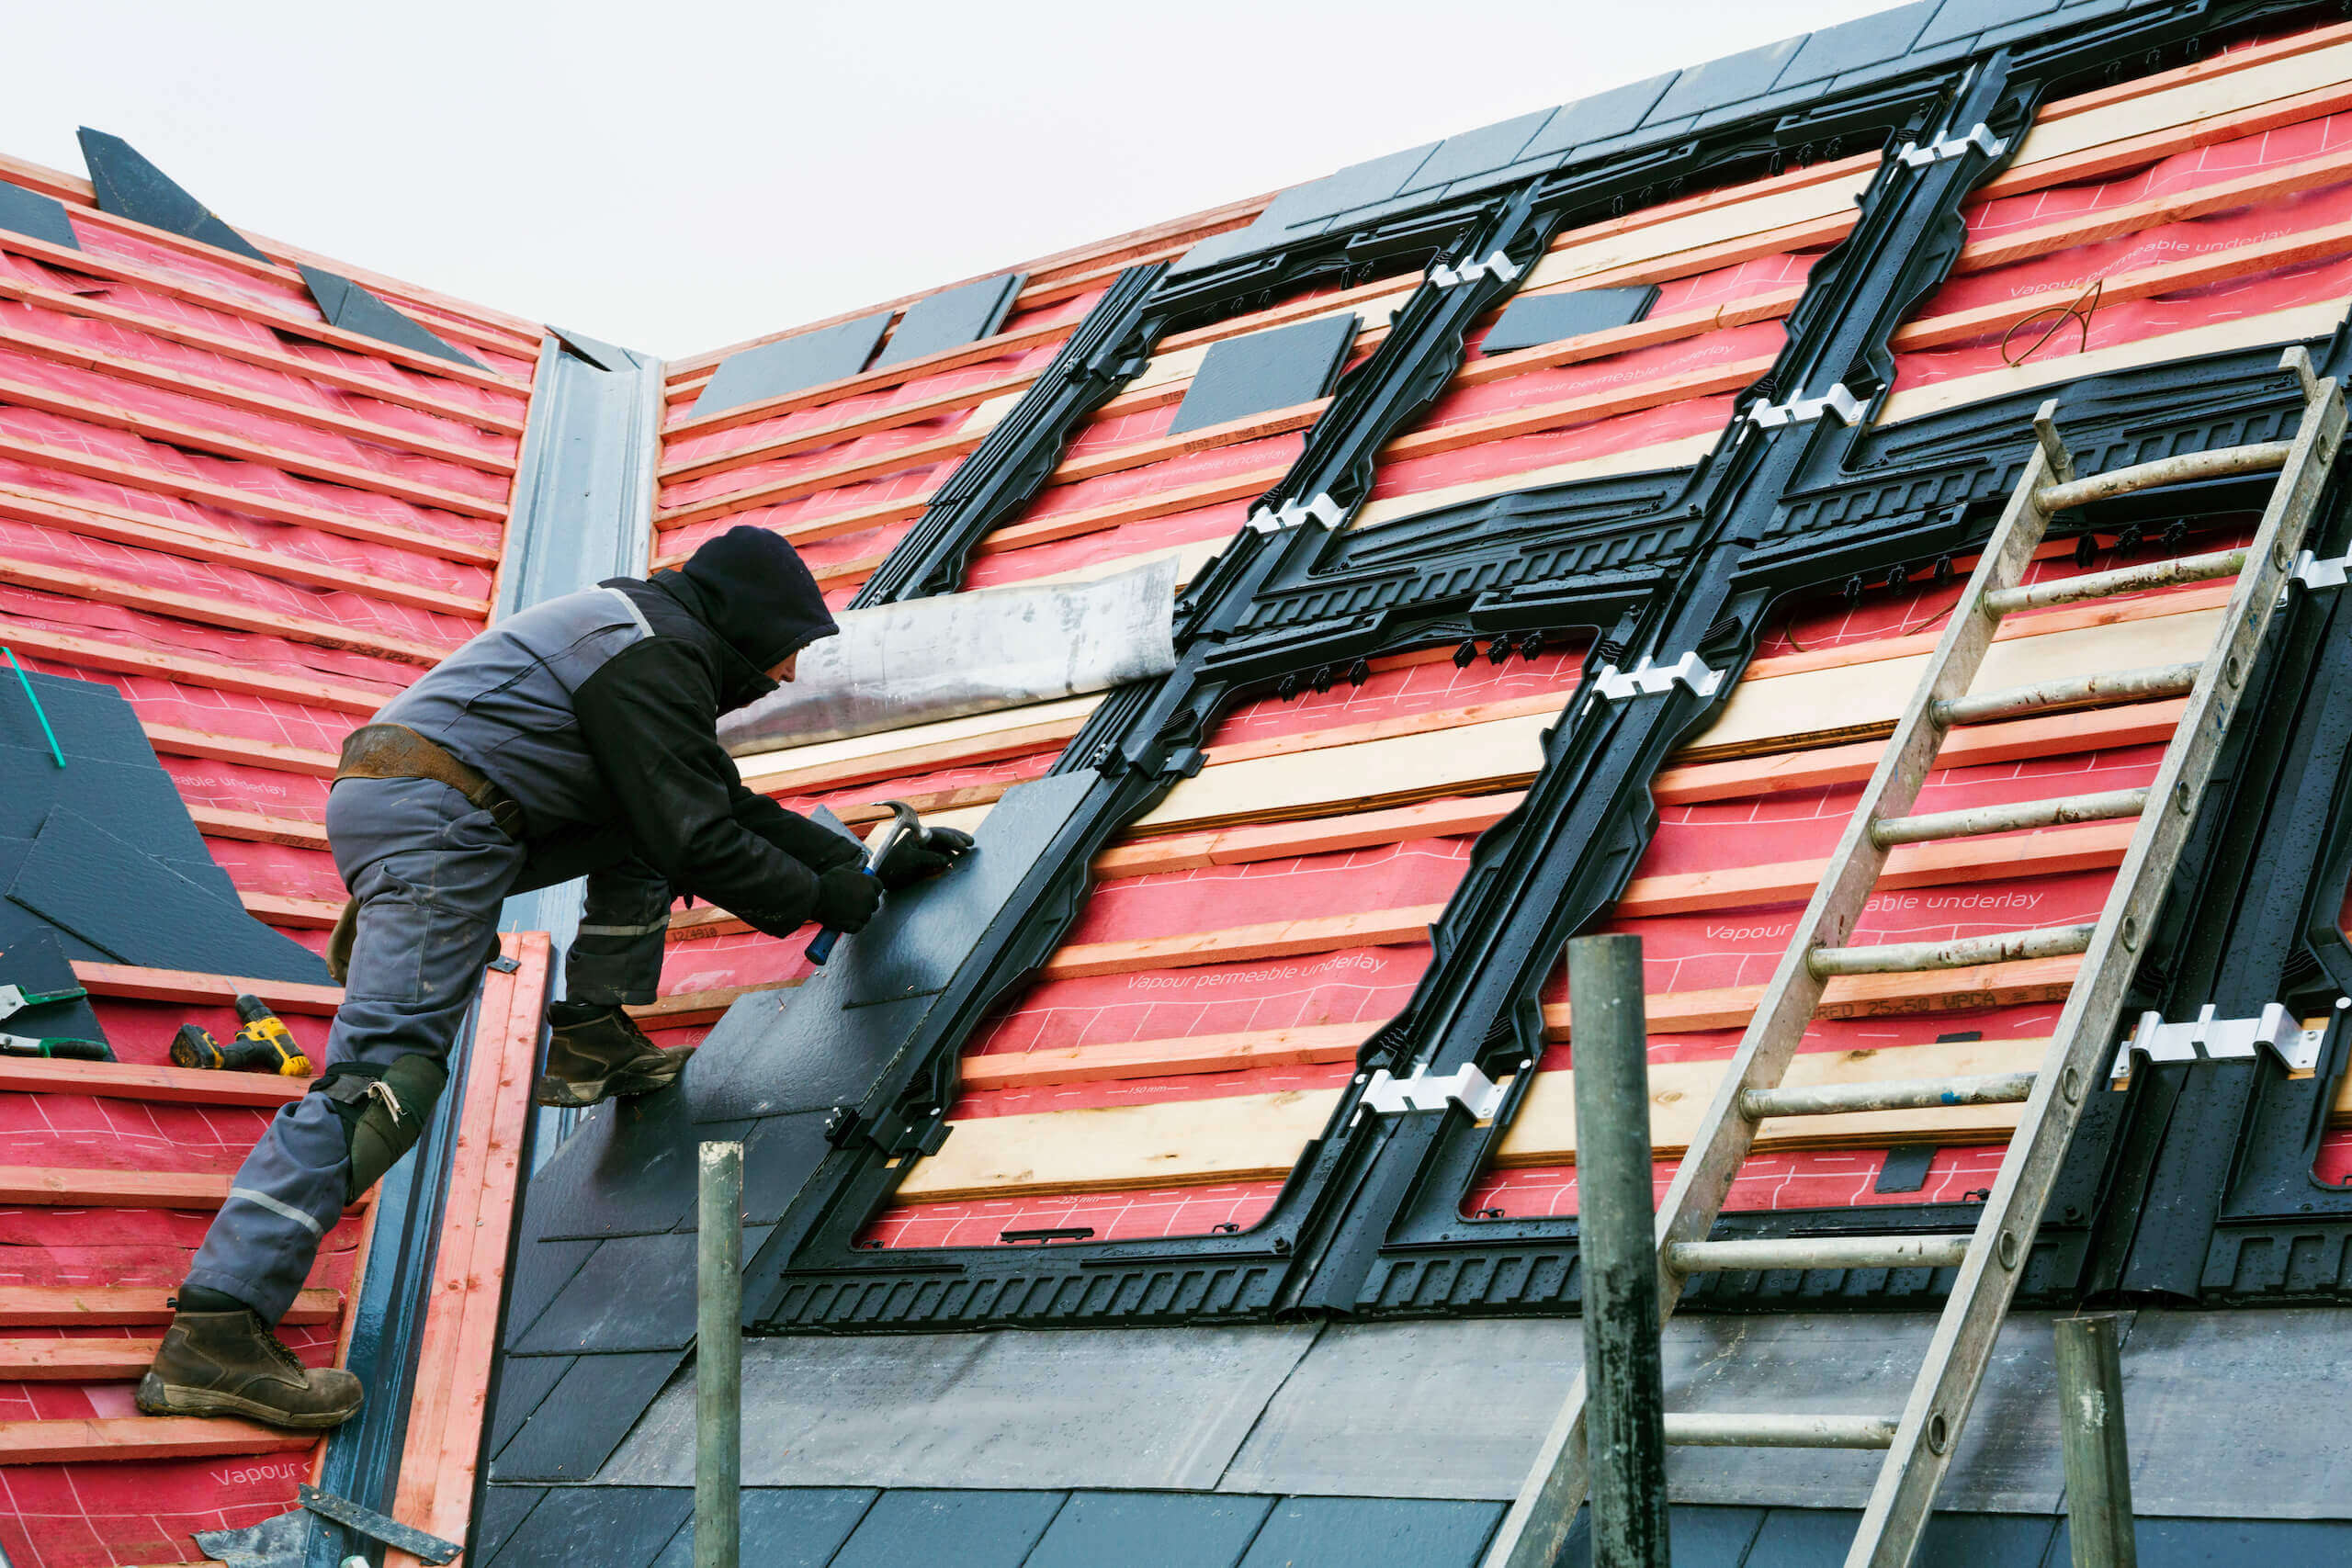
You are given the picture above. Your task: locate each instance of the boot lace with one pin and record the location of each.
(277, 1350)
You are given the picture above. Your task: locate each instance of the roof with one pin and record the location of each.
(1091, 1079)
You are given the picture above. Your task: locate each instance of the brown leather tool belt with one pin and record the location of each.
(396, 752)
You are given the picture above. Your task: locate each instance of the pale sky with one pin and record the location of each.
(680, 177)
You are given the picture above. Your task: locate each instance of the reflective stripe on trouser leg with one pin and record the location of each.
(615, 959)
(429, 871)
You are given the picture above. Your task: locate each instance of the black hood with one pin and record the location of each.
(755, 591)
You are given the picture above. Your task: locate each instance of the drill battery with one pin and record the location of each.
(264, 1045)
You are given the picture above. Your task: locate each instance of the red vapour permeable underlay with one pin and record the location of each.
(98, 1515)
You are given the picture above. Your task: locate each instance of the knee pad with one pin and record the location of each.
(383, 1111)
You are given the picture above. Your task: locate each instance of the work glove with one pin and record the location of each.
(916, 857)
(846, 899)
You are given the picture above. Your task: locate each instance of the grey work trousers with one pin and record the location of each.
(429, 870)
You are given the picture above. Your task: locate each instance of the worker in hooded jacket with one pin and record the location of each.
(577, 738)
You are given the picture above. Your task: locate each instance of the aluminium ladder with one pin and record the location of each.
(1920, 1440)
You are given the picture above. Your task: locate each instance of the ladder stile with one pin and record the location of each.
(1532, 1532)
(1948, 1379)
(1989, 1261)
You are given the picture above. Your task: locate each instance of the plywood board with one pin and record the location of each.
(1544, 1132)
(2291, 325)
(1855, 700)
(1260, 1136)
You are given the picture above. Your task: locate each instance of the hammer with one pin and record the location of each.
(821, 946)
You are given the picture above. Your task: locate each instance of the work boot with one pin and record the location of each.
(228, 1363)
(598, 1052)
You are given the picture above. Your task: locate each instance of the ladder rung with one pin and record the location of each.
(1728, 1431)
(1932, 825)
(2115, 686)
(1914, 1094)
(1818, 1252)
(2123, 579)
(2180, 470)
(1913, 957)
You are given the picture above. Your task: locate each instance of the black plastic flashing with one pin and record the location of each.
(355, 309)
(1693, 560)
(1108, 349)
(129, 186)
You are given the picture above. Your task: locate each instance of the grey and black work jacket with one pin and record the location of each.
(598, 713)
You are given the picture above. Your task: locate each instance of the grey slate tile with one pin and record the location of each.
(20, 924)
(793, 364)
(36, 962)
(357, 310)
(134, 801)
(1720, 84)
(1875, 40)
(1803, 1538)
(2006, 1456)
(541, 1268)
(1599, 117)
(1224, 247)
(2263, 1447)
(1699, 1537)
(1531, 319)
(784, 1527)
(914, 945)
(951, 318)
(1905, 1169)
(140, 909)
(523, 1384)
(1151, 1529)
(1473, 152)
(1358, 185)
(131, 186)
(970, 1529)
(610, 1527)
(777, 1051)
(583, 1418)
(1356, 1414)
(627, 1169)
(90, 719)
(779, 1155)
(39, 216)
(1134, 1408)
(2228, 1543)
(1985, 1541)
(1277, 368)
(503, 1508)
(1962, 19)
(634, 1292)
(1348, 1532)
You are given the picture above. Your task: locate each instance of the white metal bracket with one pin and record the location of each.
(2222, 1040)
(2312, 572)
(1979, 135)
(1798, 411)
(1323, 509)
(1480, 1095)
(1497, 264)
(1616, 685)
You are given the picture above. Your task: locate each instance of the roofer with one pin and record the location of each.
(578, 737)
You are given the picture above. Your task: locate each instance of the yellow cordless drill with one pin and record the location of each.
(264, 1045)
